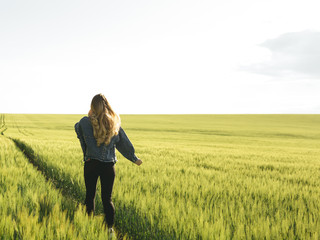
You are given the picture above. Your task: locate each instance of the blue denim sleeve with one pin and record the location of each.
(125, 147)
(81, 139)
(87, 133)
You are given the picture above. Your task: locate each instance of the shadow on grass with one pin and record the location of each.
(127, 220)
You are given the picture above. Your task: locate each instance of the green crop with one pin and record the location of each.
(203, 176)
(32, 208)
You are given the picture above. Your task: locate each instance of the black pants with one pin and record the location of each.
(92, 170)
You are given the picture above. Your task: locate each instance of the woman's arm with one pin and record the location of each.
(125, 147)
(81, 139)
(87, 133)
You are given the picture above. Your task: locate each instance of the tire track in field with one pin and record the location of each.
(50, 173)
(60, 180)
(127, 217)
(23, 131)
(3, 127)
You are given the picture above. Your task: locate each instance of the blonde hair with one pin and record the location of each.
(105, 122)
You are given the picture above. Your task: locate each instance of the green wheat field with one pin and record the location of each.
(202, 177)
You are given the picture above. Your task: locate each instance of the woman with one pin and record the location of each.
(99, 134)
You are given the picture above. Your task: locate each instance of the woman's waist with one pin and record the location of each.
(101, 155)
(99, 161)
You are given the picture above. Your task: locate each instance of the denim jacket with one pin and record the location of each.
(104, 153)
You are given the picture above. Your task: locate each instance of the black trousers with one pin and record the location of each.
(92, 170)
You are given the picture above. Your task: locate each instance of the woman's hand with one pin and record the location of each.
(138, 162)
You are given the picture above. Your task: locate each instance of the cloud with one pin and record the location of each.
(292, 54)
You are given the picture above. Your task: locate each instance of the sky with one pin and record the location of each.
(160, 57)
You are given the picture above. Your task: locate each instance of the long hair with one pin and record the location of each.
(104, 120)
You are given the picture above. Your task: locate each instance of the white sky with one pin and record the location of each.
(164, 56)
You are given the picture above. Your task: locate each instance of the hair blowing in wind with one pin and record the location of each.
(104, 120)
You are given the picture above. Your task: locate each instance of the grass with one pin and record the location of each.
(32, 208)
(203, 176)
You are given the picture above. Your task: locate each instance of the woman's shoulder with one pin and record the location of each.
(85, 120)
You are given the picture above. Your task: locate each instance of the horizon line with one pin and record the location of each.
(173, 113)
